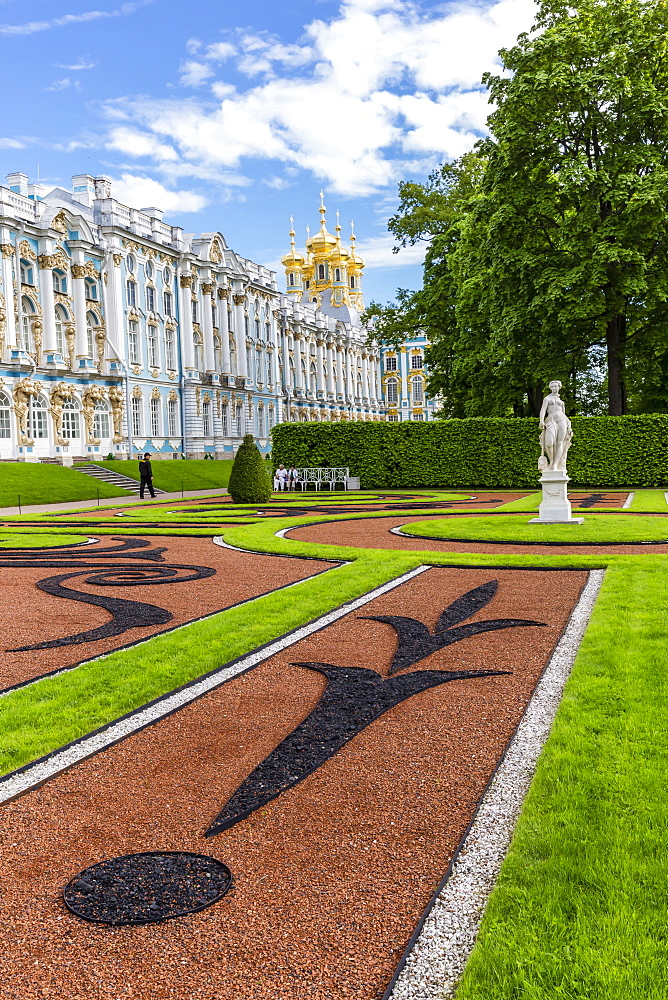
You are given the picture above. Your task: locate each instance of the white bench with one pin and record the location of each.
(320, 478)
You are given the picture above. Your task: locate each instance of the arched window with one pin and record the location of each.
(148, 270)
(91, 322)
(38, 413)
(337, 274)
(352, 282)
(154, 413)
(418, 386)
(321, 272)
(29, 313)
(136, 416)
(271, 417)
(59, 281)
(172, 418)
(62, 319)
(391, 390)
(101, 419)
(307, 285)
(71, 422)
(27, 273)
(131, 287)
(130, 263)
(91, 290)
(5, 406)
(291, 279)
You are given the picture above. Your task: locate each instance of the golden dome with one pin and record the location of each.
(355, 259)
(292, 259)
(323, 241)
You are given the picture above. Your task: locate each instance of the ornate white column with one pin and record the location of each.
(79, 303)
(239, 299)
(320, 363)
(365, 376)
(207, 324)
(224, 329)
(45, 263)
(330, 369)
(186, 321)
(114, 311)
(299, 374)
(8, 286)
(340, 386)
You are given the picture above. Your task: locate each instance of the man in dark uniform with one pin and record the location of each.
(145, 476)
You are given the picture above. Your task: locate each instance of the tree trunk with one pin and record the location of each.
(535, 395)
(614, 340)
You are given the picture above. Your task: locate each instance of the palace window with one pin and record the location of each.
(27, 273)
(225, 416)
(91, 289)
(249, 363)
(417, 361)
(260, 423)
(29, 313)
(152, 344)
(391, 390)
(150, 298)
(71, 424)
(307, 285)
(271, 418)
(257, 328)
(5, 406)
(418, 416)
(167, 275)
(133, 342)
(167, 303)
(38, 413)
(199, 352)
(193, 306)
(130, 263)
(131, 288)
(206, 418)
(240, 421)
(352, 282)
(291, 279)
(214, 315)
(136, 416)
(101, 420)
(337, 274)
(59, 281)
(148, 270)
(154, 413)
(172, 418)
(393, 418)
(91, 323)
(390, 364)
(62, 319)
(170, 353)
(418, 389)
(321, 272)
(217, 353)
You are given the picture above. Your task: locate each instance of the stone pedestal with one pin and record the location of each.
(555, 507)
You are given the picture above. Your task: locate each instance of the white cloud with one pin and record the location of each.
(80, 64)
(134, 190)
(11, 144)
(377, 253)
(358, 101)
(31, 27)
(64, 84)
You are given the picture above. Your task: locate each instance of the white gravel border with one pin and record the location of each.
(435, 965)
(629, 500)
(20, 782)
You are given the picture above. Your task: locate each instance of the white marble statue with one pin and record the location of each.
(556, 432)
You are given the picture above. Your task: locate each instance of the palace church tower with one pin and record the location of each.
(329, 275)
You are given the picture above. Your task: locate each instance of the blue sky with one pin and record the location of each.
(232, 117)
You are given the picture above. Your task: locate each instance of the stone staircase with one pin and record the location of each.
(113, 478)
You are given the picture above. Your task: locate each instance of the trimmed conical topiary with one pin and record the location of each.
(249, 479)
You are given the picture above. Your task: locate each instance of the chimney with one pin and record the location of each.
(36, 192)
(153, 213)
(102, 187)
(83, 189)
(18, 183)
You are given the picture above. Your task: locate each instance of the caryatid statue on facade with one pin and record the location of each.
(556, 432)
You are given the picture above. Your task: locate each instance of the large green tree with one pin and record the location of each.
(571, 232)
(549, 245)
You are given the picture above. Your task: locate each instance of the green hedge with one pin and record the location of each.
(479, 452)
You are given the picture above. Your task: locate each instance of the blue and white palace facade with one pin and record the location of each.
(121, 334)
(404, 382)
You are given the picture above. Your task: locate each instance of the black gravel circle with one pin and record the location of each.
(146, 888)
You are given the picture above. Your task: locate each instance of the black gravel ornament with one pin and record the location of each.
(147, 888)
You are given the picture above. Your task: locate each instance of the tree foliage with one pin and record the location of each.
(249, 479)
(548, 244)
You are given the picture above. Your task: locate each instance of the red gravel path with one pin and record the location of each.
(375, 533)
(31, 616)
(331, 877)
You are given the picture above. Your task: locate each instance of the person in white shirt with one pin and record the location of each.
(282, 477)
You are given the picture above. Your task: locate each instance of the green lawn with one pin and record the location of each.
(579, 911)
(172, 476)
(600, 528)
(35, 540)
(37, 484)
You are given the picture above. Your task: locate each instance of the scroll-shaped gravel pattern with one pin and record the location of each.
(598, 499)
(105, 568)
(146, 888)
